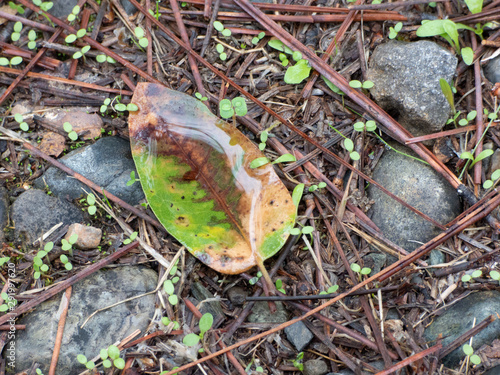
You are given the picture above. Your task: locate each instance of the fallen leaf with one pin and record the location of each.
(195, 172)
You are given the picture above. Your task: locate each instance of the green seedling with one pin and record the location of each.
(68, 128)
(39, 372)
(255, 279)
(169, 288)
(16, 60)
(279, 286)
(303, 230)
(110, 357)
(8, 302)
(220, 28)
(321, 185)
(470, 157)
(220, 49)
(263, 139)
(156, 13)
(81, 53)
(256, 39)
(330, 290)
(200, 97)
(133, 179)
(32, 39)
(92, 209)
(18, 26)
(449, 31)
(230, 108)
(142, 40)
(72, 16)
(475, 6)
(104, 106)
(132, 237)
(259, 162)
(332, 87)
(67, 245)
(469, 352)
(361, 271)
(470, 116)
(294, 74)
(206, 322)
(297, 362)
(348, 144)
(393, 31)
(494, 177)
(166, 321)
(22, 124)
(102, 58)
(44, 8)
(473, 275)
(18, 8)
(38, 266)
(355, 84)
(4, 260)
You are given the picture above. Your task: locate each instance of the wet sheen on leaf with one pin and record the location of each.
(195, 172)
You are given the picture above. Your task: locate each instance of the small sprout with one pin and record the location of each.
(74, 13)
(257, 38)
(132, 237)
(218, 26)
(68, 128)
(349, 146)
(104, 106)
(132, 179)
(283, 59)
(200, 97)
(355, 84)
(355, 267)
(100, 59)
(298, 72)
(120, 107)
(393, 31)
(240, 106)
(259, 162)
(476, 274)
(18, 26)
(483, 155)
(206, 322)
(279, 286)
(298, 361)
(494, 177)
(307, 230)
(226, 32)
(297, 55)
(81, 358)
(467, 55)
(286, 158)
(32, 39)
(469, 352)
(139, 33)
(466, 278)
(19, 9)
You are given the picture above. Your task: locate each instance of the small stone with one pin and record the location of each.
(418, 185)
(299, 335)
(459, 318)
(108, 163)
(62, 8)
(237, 295)
(375, 261)
(406, 83)
(493, 371)
(261, 314)
(315, 367)
(88, 237)
(436, 257)
(201, 294)
(492, 70)
(35, 212)
(99, 290)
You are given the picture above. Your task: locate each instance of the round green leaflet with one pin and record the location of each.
(199, 183)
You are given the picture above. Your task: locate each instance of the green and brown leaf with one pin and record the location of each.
(195, 172)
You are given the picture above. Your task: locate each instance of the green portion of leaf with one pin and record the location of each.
(475, 6)
(113, 352)
(332, 87)
(483, 155)
(191, 339)
(448, 93)
(466, 155)
(495, 275)
(218, 26)
(297, 73)
(259, 162)
(206, 322)
(16, 60)
(475, 359)
(467, 55)
(286, 158)
(297, 194)
(278, 44)
(467, 349)
(196, 175)
(348, 144)
(487, 184)
(355, 84)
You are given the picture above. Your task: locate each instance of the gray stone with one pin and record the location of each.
(315, 367)
(128, 6)
(418, 185)
(34, 213)
(375, 261)
(406, 78)
(493, 371)
(459, 318)
(4, 211)
(62, 8)
(492, 70)
(201, 294)
(299, 335)
(108, 163)
(261, 314)
(436, 257)
(237, 295)
(104, 288)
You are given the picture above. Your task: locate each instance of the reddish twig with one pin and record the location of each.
(410, 360)
(60, 330)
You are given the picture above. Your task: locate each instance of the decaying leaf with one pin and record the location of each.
(195, 172)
